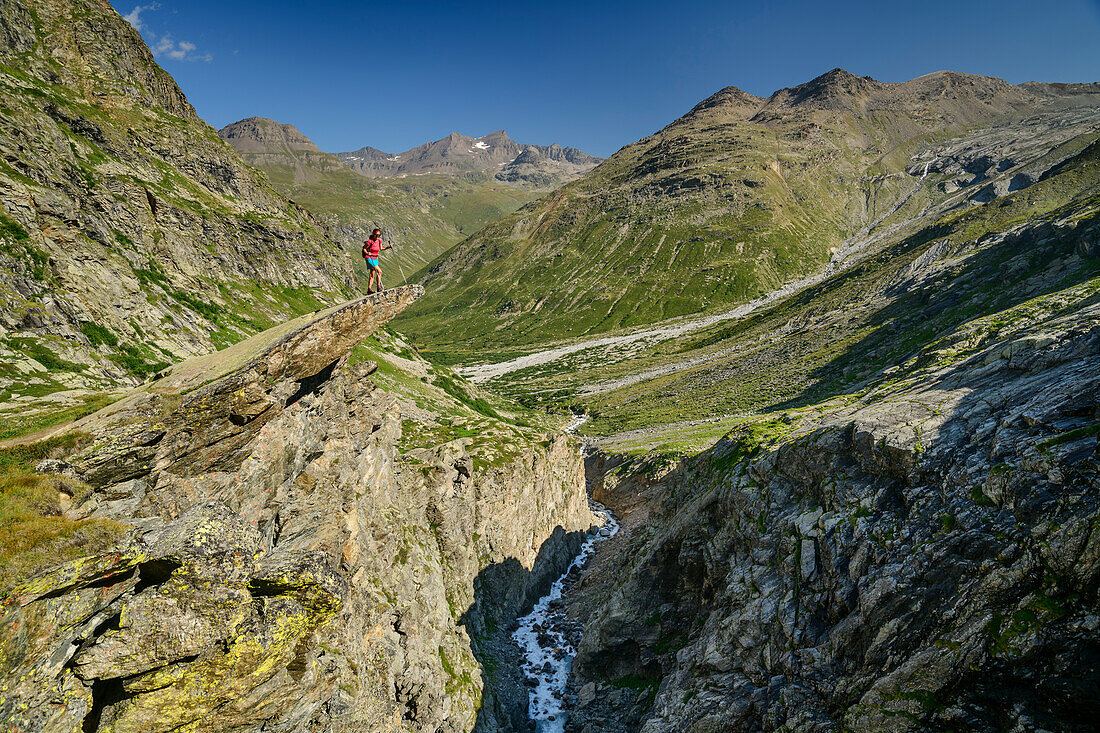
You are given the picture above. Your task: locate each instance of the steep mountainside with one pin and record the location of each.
(856, 467)
(836, 335)
(301, 532)
(425, 216)
(738, 197)
(495, 154)
(899, 532)
(131, 235)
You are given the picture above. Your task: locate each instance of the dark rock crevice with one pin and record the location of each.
(105, 693)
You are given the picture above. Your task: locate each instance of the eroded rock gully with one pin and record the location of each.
(926, 557)
(290, 569)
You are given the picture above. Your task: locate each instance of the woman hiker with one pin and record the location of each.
(372, 248)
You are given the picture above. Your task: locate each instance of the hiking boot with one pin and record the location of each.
(370, 292)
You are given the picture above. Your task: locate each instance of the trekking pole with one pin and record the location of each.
(399, 267)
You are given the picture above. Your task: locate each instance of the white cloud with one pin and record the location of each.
(179, 50)
(134, 16)
(164, 46)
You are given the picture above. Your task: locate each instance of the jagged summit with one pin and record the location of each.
(834, 89)
(494, 153)
(963, 98)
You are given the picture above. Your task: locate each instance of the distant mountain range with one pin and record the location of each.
(495, 154)
(427, 213)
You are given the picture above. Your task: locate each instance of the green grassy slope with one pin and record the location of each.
(965, 278)
(726, 203)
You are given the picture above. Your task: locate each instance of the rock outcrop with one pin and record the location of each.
(545, 165)
(289, 567)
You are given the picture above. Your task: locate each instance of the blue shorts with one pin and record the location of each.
(371, 263)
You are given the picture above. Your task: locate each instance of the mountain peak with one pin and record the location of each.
(831, 85)
(836, 89)
(494, 153)
(729, 97)
(261, 134)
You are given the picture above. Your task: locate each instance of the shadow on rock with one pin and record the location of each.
(503, 592)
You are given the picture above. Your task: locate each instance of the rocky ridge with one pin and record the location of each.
(294, 561)
(921, 556)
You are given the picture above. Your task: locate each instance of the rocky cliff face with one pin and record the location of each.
(131, 236)
(298, 559)
(921, 556)
(547, 165)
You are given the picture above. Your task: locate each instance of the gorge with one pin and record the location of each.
(785, 417)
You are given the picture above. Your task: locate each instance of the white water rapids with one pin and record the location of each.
(547, 652)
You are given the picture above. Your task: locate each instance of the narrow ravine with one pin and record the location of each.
(542, 636)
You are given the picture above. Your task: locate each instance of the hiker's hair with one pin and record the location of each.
(376, 231)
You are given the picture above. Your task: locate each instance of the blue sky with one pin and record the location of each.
(596, 75)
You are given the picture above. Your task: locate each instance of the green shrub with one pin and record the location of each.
(98, 335)
(137, 361)
(11, 229)
(156, 276)
(454, 389)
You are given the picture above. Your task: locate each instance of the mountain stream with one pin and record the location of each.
(542, 634)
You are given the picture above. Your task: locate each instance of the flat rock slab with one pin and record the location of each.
(293, 350)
